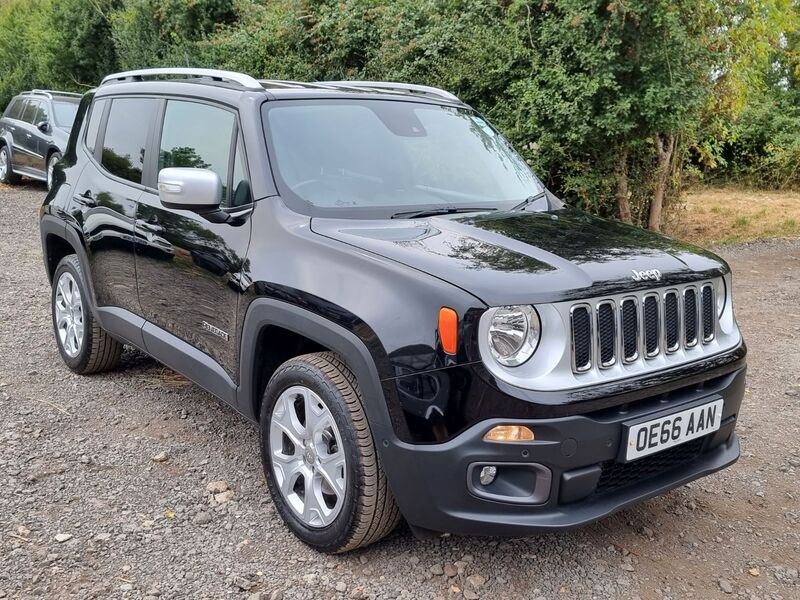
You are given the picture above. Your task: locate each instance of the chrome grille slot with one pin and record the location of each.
(690, 317)
(651, 326)
(606, 334)
(629, 317)
(581, 323)
(672, 321)
(709, 313)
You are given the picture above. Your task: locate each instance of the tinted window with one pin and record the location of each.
(14, 109)
(29, 114)
(94, 124)
(41, 113)
(239, 183)
(126, 137)
(197, 136)
(64, 113)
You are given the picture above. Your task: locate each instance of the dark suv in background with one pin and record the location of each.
(34, 131)
(370, 273)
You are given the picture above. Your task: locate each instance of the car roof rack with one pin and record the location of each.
(50, 93)
(393, 86)
(213, 74)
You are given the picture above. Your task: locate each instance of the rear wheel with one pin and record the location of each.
(319, 456)
(7, 174)
(51, 165)
(84, 346)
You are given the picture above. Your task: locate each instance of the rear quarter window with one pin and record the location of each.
(14, 109)
(93, 126)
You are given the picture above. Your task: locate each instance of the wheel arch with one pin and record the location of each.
(301, 331)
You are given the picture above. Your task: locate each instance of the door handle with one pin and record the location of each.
(28, 135)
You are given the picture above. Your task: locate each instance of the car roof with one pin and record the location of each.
(230, 85)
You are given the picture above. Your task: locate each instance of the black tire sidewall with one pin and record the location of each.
(335, 535)
(78, 362)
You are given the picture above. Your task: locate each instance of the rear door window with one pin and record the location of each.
(29, 114)
(125, 137)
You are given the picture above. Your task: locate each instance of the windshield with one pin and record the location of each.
(64, 113)
(357, 155)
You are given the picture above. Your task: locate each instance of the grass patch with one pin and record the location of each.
(715, 216)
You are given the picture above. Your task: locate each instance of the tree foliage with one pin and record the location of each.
(613, 102)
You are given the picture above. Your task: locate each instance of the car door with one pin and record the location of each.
(107, 190)
(41, 139)
(187, 265)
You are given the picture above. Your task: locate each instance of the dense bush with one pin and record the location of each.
(607, 100)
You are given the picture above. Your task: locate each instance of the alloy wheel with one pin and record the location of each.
(51, 165)
(69, 314)
(3, 164)
(307, 456)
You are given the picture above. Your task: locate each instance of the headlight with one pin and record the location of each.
(721, 294)
(514, 334)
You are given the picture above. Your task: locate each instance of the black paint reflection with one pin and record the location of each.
(189, 277)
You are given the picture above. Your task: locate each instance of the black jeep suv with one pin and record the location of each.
(372, 275)
(34, 131)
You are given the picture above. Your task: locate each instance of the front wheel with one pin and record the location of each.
(319, 456)
(51, 165)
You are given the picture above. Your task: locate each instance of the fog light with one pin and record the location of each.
(487, 475)
(509, 433)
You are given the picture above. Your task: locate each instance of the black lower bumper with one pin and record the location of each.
(570, 475)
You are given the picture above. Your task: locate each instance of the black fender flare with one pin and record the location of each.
(53, 226)
(264, 312)
(8, 142)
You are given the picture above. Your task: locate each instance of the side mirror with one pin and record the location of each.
(189, 189)
(43, 126)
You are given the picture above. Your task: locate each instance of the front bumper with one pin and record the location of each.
(573, 457)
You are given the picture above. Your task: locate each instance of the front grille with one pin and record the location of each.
(652, 325)
(617, 475)
(581, 338)
(630, 330)
(642, 326)
(690, 316)
(672, 323)
(709, 309)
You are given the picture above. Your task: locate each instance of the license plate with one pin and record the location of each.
(665, 432)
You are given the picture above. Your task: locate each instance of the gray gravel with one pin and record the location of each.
(138, 484)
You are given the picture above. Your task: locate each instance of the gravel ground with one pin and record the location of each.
(104, 482)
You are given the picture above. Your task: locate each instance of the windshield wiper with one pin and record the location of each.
(532, 199)
(432, 212)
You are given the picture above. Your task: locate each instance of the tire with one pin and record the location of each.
(7, 174)
(51, 163)
(94, 350)
(361, 510)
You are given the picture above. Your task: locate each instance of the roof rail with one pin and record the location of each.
(396, 87)
(217, 75)
(50, 93)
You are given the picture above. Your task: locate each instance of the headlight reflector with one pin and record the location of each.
(514, 333)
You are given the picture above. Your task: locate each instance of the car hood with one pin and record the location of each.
(528, 257)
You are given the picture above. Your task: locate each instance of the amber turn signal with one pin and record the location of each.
(509, 433)
(448, 329)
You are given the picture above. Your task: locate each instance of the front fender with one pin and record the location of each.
(264, 312)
